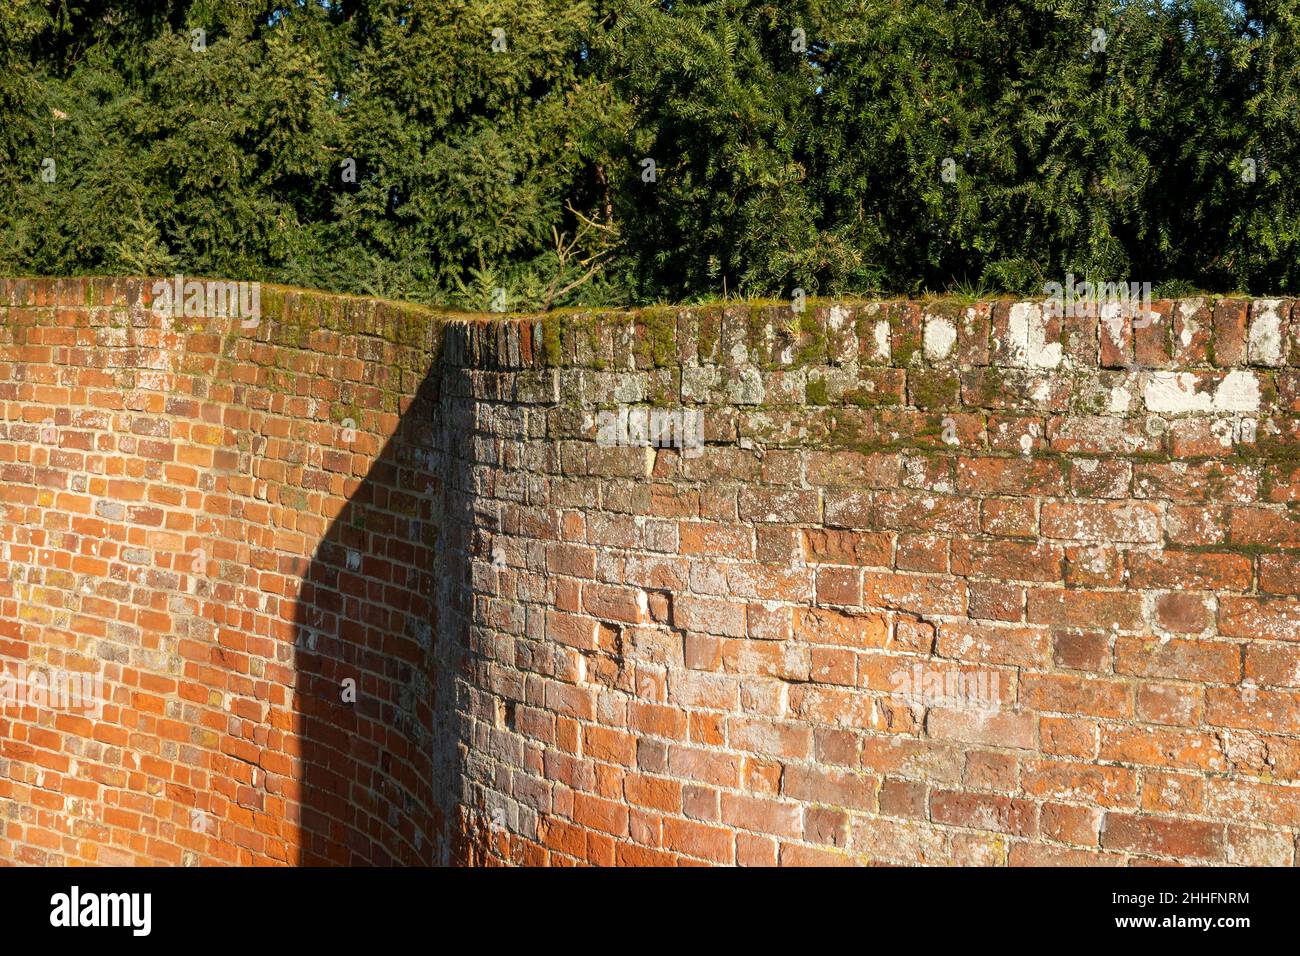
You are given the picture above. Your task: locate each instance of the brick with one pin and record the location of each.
(1070, 694)
(701, 841)
(1175, 659)
(1163, 836)
(1009, 516)
(1101, 521)
(829, 626)
(843, 707)
(922, 594)
(999, 729)
(1196, 481)
(985, 770)
(1263, 526)
(704, 766)
(785, 740)
(1080, 826)
(1085, 609)
(1169, 703)
(763, 816)
(841, 586)
(754, 850)
(1098, 566)
(880, 840)
(709, 616)
(1278, 574)
(995, 601)
(701, 803)
(1162, 747)
(1084, 783)
(1006, 560)
(1273, 664)
(825, 785)
(612, 603)
(1040, 855)
(779, 505)
(1230, 331)
(702, 652)
(1253, 709)
(706, 538)
(788, 662)
(904, 798)
(930, 513)
(1258, 846)
(597, 814)
(1082, 651)
(1259, 618)
(1100, 435)
(860, 549)
(1183, 613)
(922, 553)
(1100, 478)
(977, 849)
(850, 469)
(913, 635)
(792, 854)
(826, 825)
(1010, 476)
(1027, 647)
(985, 812)
(767, 623)
(777, 545)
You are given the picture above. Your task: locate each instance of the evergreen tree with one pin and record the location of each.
(536, 153)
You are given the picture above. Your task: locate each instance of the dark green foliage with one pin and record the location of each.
(522, 168)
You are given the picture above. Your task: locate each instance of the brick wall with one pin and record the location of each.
(945, 584)
(227, 524)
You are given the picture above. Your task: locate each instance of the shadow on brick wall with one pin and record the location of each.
(378, 640)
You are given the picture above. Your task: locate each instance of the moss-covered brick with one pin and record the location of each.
(817, 392)
(934, 388)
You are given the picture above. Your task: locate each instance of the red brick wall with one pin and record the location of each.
(183, 512)
(945, 585)
(745, 656)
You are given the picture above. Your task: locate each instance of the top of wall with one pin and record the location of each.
(1193, 333)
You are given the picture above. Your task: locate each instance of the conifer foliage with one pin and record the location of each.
(528, 154)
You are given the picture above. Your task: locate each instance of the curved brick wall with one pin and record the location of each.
(946, 584)
(183, 511)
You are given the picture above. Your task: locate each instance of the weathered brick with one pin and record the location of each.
(985, 812)
(1071, 694)
(1210, 661)
(1006, 560)
(1064, 823)
(1162, 748)
(828, 626)
(988, 644)
(999, 729)
(1101, 521)
(860, 549)
(1184, 839)
(1085, 608)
